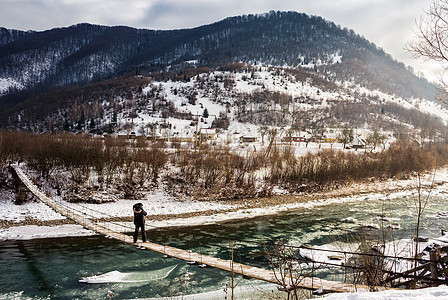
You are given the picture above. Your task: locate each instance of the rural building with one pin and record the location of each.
(359, 142)
(248, 139)
(206, 134)
(182, 137)
(295, 139)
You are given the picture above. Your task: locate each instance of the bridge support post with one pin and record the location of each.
(433, 257)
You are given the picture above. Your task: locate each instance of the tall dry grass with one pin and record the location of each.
(330, 168)
(211, 171)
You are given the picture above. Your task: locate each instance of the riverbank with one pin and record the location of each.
(36, 220)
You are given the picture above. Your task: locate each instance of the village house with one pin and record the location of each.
(248, 139)
(179, 137)
(207, 134)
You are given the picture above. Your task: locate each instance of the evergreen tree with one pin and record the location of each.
(205, 113)
(92, 123)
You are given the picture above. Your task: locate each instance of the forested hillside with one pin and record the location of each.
(87, 53)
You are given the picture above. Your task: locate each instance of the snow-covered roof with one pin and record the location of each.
(208, 131)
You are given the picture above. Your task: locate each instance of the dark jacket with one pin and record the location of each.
(139, 215)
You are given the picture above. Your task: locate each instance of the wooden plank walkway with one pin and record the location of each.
(310, 283)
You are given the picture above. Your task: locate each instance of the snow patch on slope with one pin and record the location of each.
(8, 83)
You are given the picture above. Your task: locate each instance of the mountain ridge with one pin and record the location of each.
(85, 53)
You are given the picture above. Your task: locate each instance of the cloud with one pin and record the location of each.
(46, 14)
(110, 12)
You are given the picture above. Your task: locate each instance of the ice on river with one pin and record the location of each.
(117, 276)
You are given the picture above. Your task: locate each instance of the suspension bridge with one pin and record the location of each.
(81, 217)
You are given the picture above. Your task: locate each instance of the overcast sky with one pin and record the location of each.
(387, 23)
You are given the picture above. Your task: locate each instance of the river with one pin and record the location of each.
(53, 268)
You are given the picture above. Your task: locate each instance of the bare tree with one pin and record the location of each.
(431, 41)
(289, 270)
(420, 204)
(346, 136)
(375, 138)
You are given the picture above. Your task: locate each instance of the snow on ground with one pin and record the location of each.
(157, 204)
(161, 204)
(7, 83)
(18, 213)
(241, 292)
(440, 292)
(39, 232)
(207, 85)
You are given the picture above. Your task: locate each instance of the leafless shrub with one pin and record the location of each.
(111, 159)
(289, 272)
(214, 172)
(329, 168)
(370, 266)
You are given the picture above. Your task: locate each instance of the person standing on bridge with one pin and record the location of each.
(139, 221)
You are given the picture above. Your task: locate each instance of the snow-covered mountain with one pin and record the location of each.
(237, 98)
(282, 69)
(85, 53)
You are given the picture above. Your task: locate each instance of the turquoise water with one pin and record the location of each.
(52, 268)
